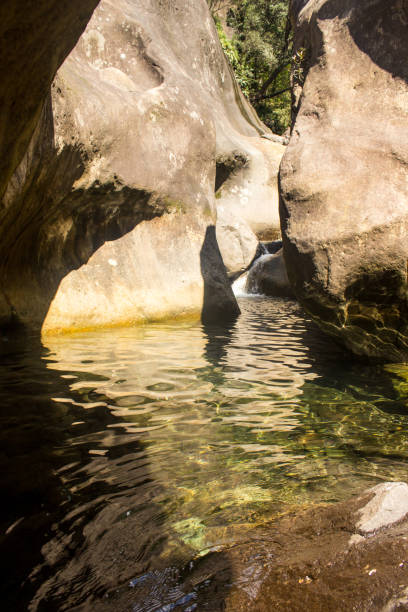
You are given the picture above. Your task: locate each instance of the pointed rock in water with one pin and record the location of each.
(344, 176)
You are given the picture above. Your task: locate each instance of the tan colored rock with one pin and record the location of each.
(238, 243)
(344, 176)
(121, 168)
(250, 187)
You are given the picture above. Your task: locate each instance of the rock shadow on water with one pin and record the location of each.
(81, 517)
(338, 369)
(58, 499)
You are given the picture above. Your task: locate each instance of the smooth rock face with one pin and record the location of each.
(268, 276)
(247, 184)
(110, 217)
(238, 243)
(344, 177)
(388, 505)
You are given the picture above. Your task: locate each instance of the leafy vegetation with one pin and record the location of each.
(258, 46)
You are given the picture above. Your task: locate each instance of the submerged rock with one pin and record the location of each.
(268, 276)
(304, 561)
(300, 561)
(344, 174)
(110, 216)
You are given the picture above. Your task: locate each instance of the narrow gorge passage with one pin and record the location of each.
(191, 419)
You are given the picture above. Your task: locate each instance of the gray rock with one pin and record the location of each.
(268, 276)
(388, 505)
(344, 189)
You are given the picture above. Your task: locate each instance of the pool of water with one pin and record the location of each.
(128, 454)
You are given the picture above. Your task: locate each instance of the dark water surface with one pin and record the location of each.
(128, 455)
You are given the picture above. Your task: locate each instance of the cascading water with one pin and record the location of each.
(240, 285)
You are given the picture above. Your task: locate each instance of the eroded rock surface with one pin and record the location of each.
(344, 177)
(247, 183)
(110, 216)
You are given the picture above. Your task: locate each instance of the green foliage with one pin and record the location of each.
(231, 51)
(260, 53)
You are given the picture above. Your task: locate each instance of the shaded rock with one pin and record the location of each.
(268, 276)
(35, 41)
(344, 189)
(108, 217)
(237, 242)
(272, 247)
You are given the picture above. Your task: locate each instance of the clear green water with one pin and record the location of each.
(134, 450)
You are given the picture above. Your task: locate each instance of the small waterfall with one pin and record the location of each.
(264, 251)
(238, 286)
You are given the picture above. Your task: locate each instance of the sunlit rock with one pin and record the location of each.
(389, 504)
(110, 217)
(238, 243)
(344, 177)
(247, 183)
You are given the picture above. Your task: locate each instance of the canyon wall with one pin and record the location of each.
(110, 216)
(344, 177)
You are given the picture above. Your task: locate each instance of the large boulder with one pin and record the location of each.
(344, 176)
(238, 243)
(110, 216)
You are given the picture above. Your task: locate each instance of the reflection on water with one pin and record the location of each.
(128, 453)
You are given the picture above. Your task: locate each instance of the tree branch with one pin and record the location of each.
(215, 7)
(261, 93)
(272, 95)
